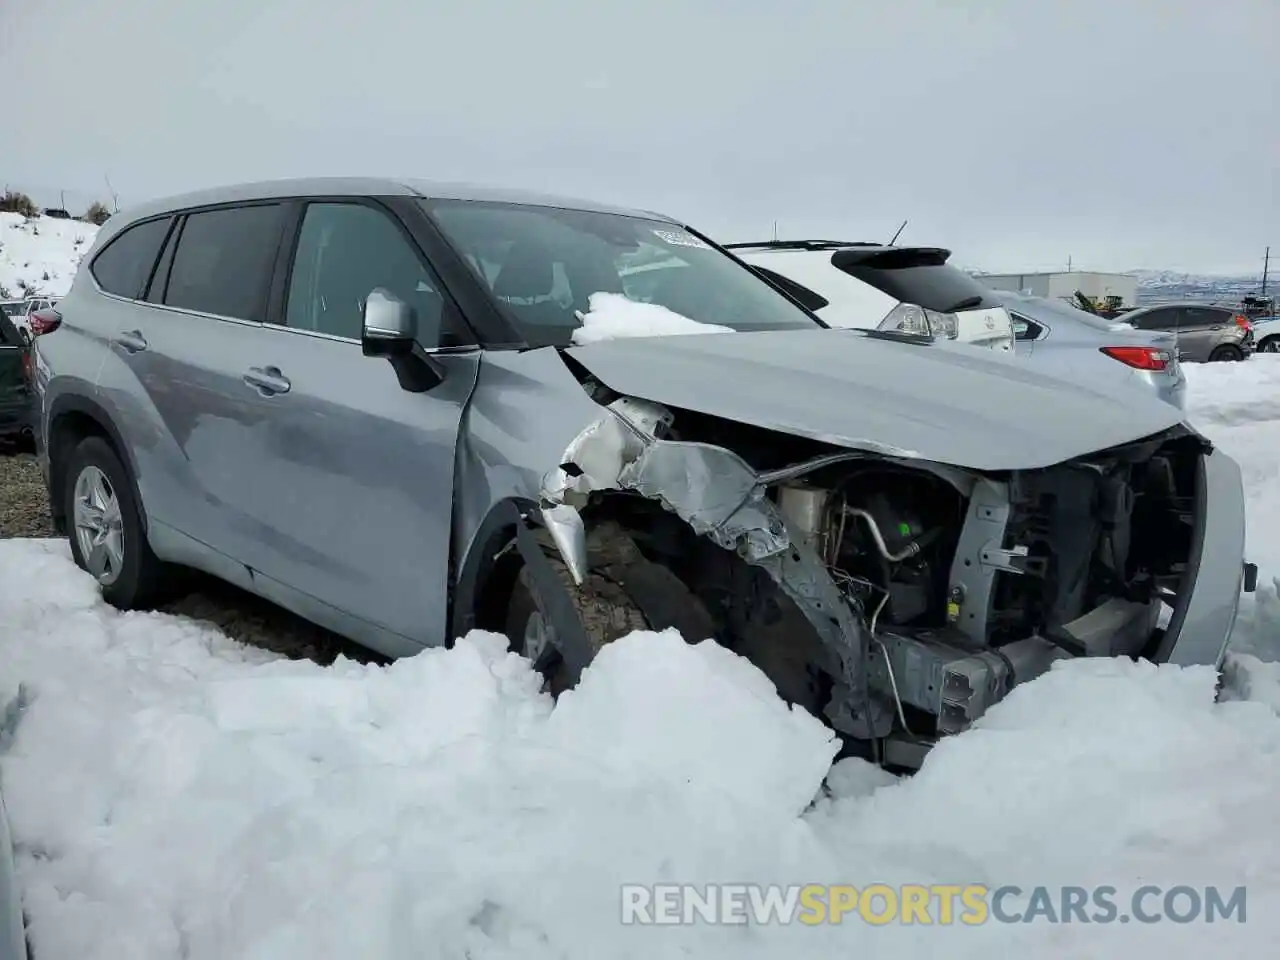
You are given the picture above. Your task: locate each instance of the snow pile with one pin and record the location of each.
(613, 317)
(1237, 406)
(175, 795)
(40, 256)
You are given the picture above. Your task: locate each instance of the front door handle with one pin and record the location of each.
(132, 341)
(268, 380)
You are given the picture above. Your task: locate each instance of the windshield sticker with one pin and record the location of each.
(679, 238)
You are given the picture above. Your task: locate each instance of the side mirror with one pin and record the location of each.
(390, 327)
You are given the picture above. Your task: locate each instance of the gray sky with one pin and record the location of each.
(1121, 133)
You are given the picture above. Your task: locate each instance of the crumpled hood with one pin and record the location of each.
(955, 405)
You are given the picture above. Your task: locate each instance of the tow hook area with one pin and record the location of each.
(1250, 577)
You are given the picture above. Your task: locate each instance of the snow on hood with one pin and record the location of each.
(944, 402)
(615, 317)
(172, 793)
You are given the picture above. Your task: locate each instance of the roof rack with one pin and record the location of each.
(804, 244)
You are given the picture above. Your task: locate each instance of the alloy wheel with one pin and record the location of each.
(99, 527)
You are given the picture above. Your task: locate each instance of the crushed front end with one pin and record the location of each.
(902, 598)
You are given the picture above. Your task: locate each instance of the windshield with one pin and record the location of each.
(543, 265)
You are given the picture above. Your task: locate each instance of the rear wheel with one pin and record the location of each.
(108, 537)
(623, 592)
(1226, 353)
(1270, 345)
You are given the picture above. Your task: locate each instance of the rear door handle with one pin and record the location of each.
(268, 380)
(132, 340)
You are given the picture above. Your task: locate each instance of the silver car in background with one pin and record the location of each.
(1072, 343)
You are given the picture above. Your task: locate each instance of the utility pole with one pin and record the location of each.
(1068, 263)
(1266, 264)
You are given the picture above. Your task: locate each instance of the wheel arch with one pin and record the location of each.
(481, 574)
(73, 417)
(503, 543)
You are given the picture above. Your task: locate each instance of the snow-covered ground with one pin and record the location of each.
(176, 795)
(40, 256)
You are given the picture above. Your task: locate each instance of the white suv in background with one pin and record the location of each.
(872, 286)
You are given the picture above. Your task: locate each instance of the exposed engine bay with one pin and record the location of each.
(897, 598)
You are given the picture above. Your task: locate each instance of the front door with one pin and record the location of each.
(352, 473)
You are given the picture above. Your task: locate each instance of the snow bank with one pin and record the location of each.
(613, 316)
(1237, 406)
(174, 794)
(40, 256)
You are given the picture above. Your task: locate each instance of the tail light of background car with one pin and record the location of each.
(44, 321)
(914, 319)
(1141, 358)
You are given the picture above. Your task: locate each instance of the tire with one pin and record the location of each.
(1226, 354)
(612, 601)
(136, 578)
(1270, 345)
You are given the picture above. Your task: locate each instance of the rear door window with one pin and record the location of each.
(1024, 328)
(125, 263)
(1165, 318)
(1204, 317)
(223, 261)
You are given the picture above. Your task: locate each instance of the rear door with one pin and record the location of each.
(349, 475)
(1199, 331)
(1170, 320)
(184, 345)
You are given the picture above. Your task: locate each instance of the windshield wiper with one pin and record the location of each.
(965, 304)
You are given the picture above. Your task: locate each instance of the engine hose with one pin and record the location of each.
(910, 550)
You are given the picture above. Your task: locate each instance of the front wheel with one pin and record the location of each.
(622, 593)
(1270, 345)
(108, 538)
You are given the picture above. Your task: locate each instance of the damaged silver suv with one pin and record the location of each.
(405, 411)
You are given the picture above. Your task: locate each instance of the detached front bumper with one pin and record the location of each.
(1217, 573)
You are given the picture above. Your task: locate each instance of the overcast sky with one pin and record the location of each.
(1019, 133)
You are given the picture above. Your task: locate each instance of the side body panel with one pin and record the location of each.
(526, 410)
(341, 486)
(173, 401)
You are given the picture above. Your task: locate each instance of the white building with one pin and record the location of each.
(1063, 285)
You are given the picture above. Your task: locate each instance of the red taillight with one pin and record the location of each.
(1140, 358)
(44, 321)
(1242, 322)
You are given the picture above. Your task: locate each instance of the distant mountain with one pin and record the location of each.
(1162, 285)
